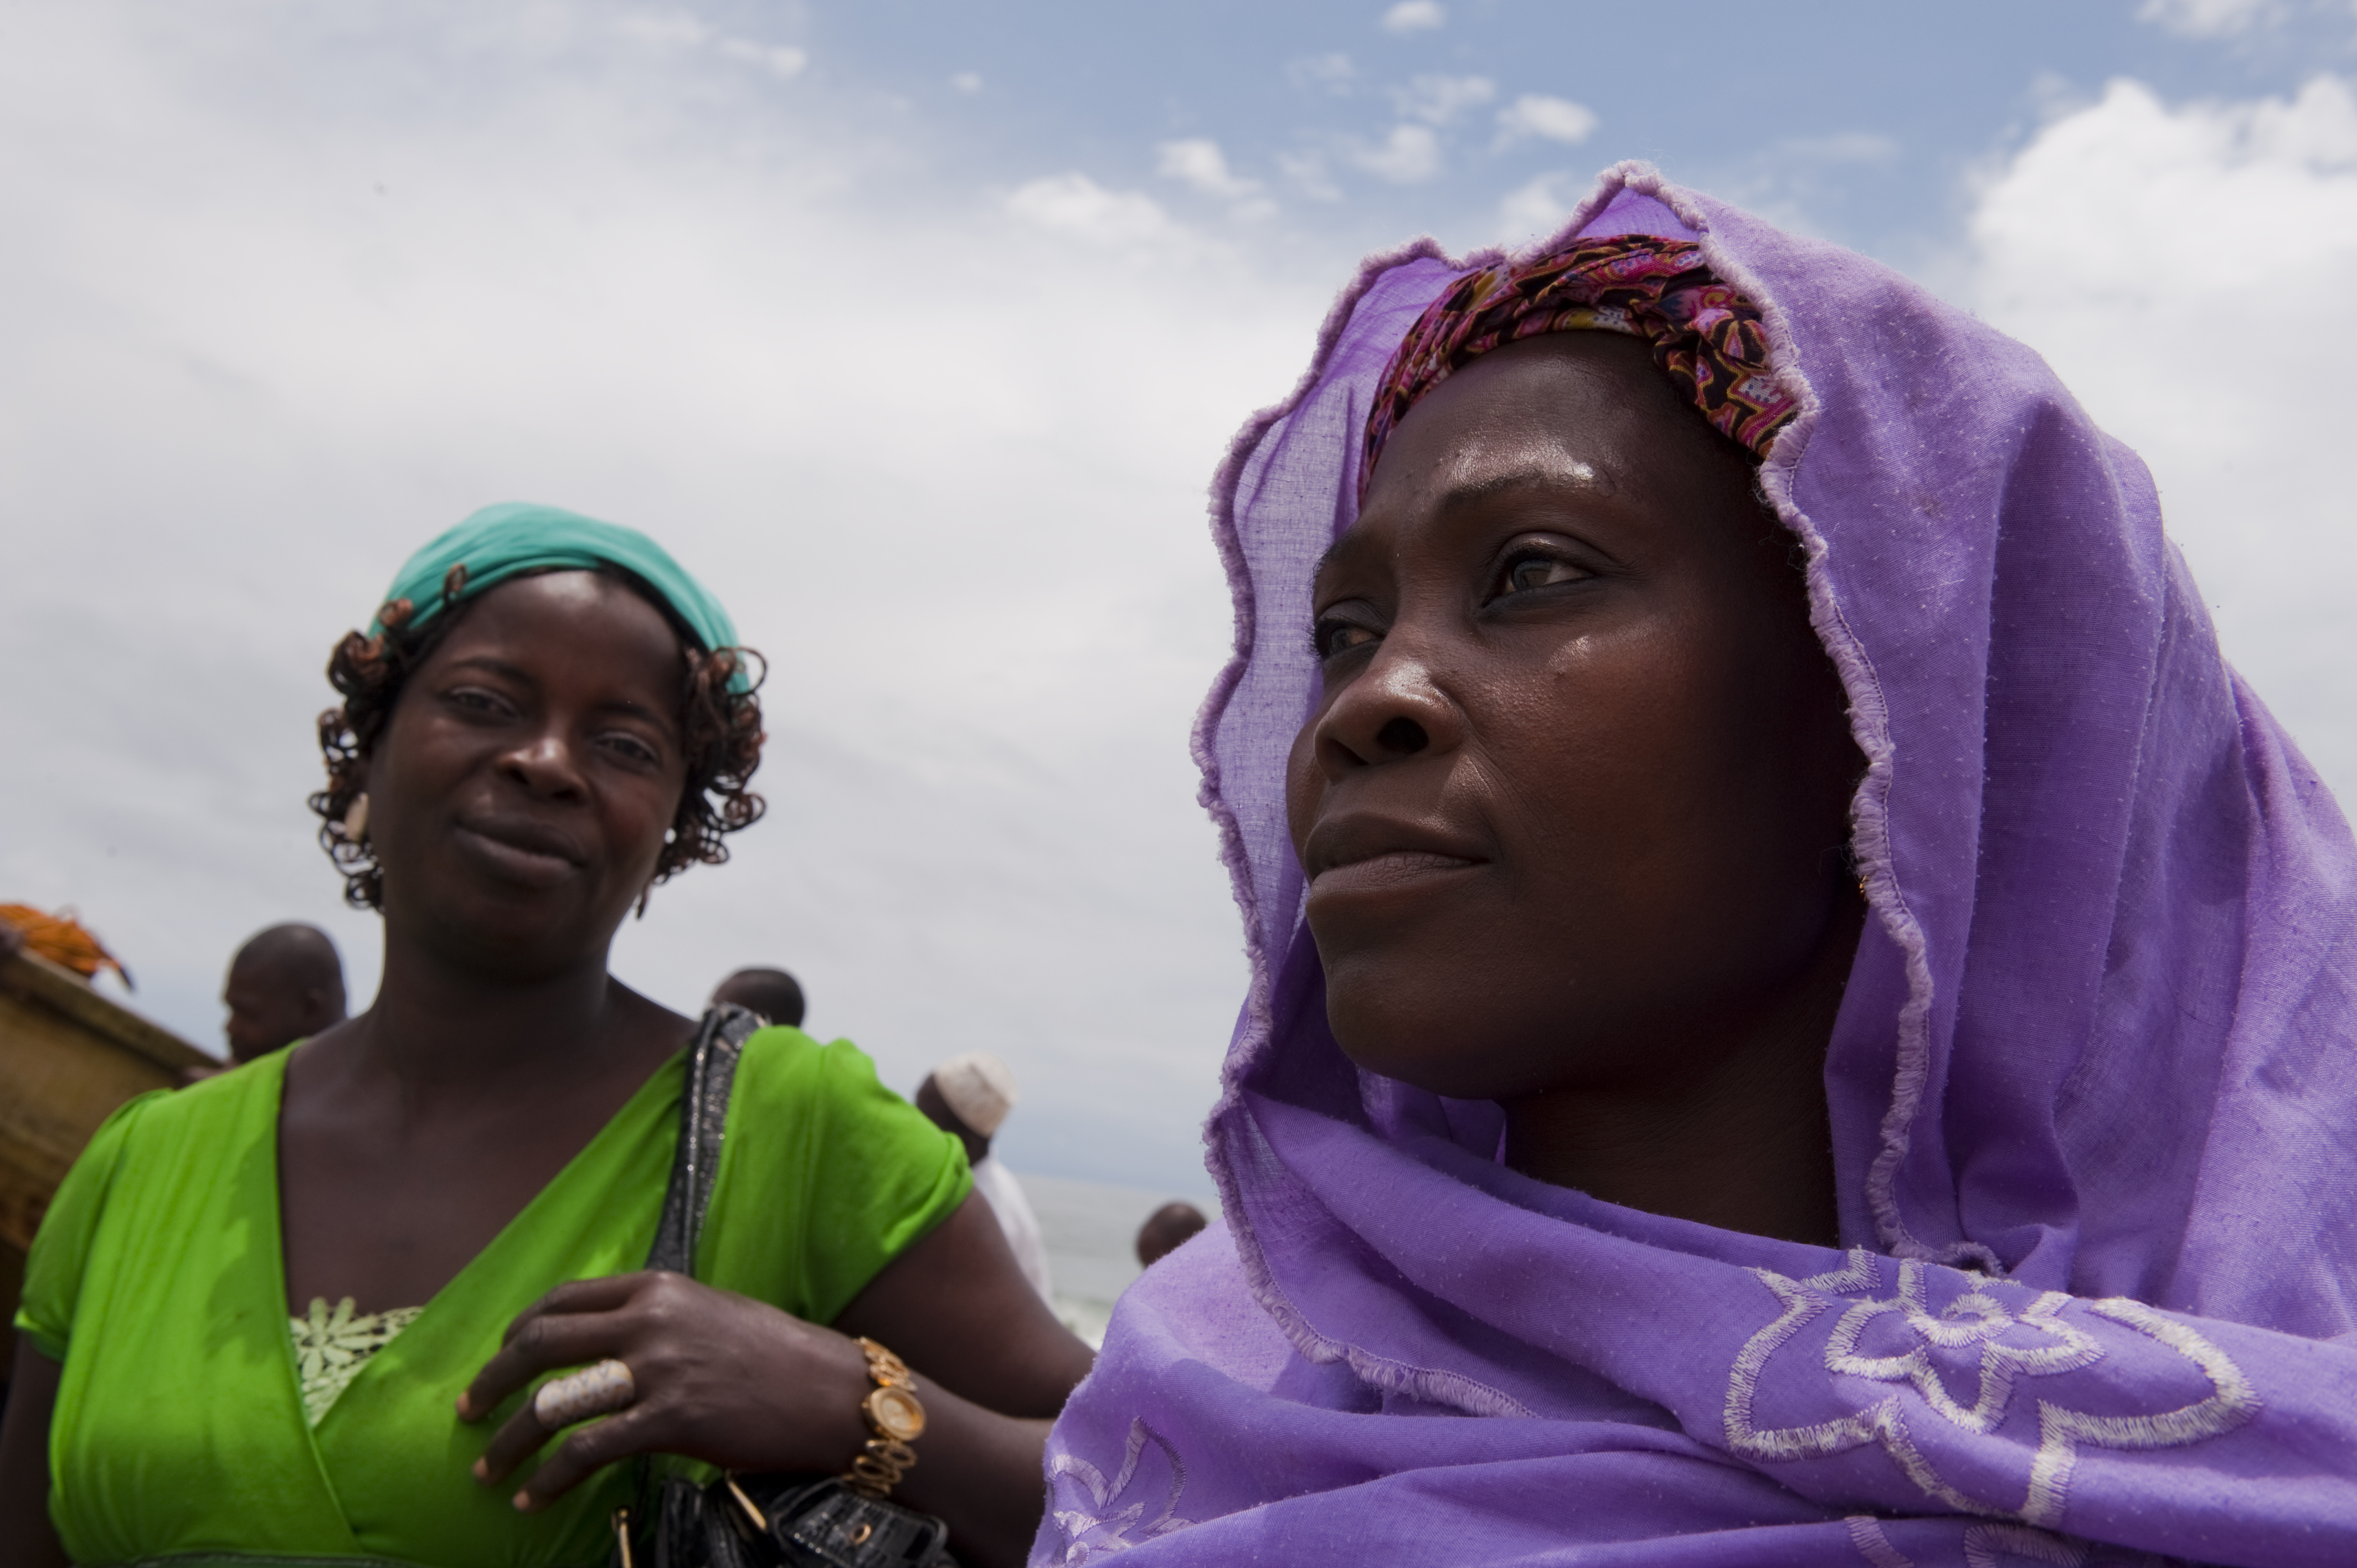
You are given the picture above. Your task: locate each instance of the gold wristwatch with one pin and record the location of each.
(895, 1419)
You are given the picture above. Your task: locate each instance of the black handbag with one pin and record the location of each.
(767, 1520)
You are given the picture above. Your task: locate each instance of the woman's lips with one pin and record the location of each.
(1391, 871)
(530, 859)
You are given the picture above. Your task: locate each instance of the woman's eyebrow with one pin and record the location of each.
(494, 664)
(633, 709)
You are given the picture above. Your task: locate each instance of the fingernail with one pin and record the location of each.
(523, 1502)
(466, 1409)
(482, 1468)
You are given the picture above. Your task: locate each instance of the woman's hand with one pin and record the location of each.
(736, 1384)
(719, 1378)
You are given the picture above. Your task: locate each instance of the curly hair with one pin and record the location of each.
(720, 731)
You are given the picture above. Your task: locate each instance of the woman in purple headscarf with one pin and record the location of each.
(1800, 1013)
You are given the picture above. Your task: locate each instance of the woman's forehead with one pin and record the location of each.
(1582, 414)
(568, 615)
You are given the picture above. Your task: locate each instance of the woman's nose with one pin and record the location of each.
(545, 765)
(1395, 709)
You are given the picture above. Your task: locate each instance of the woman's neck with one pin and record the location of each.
(1743, 1142)
(440, 1032)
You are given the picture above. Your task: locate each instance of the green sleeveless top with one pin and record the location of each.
(157, 1280)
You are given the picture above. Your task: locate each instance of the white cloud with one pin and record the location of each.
(1414, 16)
(1331, 73)
(1197, 161)
(662, 29)
(1075, 204)
(1536, 114)
(782, 62)
(673, 32)
(1309, 175)
(1437, 100)
(1409, 156)
(2210, 18)
(1537, 208)
(945, 464)
(967, 82)
(2163, 259)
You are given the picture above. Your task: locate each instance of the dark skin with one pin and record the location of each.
(284, 984)
(518, 802)
(1165, 1230)
(1574, 799)
(769, 994)
(937, 1110)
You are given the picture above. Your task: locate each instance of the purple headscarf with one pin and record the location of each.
(2092, 1088)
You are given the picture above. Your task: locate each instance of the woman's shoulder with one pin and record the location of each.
(803, 1100)
(793, 1075)
(171, 1139)
(205, 1119)
(147, 1166)
(825, 1175)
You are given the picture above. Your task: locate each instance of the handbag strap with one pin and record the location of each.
(703, 1119)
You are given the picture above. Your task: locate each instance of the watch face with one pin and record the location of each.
(896, 1414)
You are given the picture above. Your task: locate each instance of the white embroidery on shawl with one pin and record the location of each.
(1974, 1319)
(1105, 1531)
(1866, 1534)
(1986, 1546)
(1993, 1546)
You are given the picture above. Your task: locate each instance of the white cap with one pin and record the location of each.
(979, 1088)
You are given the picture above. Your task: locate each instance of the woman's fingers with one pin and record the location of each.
(717, 1376)
(522, 1434)
(538, 1344)
(518, 1438)
(585, 1449)
(604, 1294)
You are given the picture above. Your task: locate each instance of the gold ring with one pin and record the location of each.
(577, 1396)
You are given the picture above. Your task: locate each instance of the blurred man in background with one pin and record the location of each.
(1165, 1230)
(772, 995)
(287, 984)
(970, 1096)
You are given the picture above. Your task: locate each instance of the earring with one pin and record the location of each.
(356, 820)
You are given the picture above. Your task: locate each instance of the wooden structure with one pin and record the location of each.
(67, 1057)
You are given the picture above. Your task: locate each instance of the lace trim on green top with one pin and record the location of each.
(330, 1348)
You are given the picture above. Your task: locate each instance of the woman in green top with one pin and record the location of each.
(294, 1311)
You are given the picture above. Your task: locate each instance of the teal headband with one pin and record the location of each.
(516, 537)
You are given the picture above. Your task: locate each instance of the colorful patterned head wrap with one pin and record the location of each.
(1706, 336)
(517, 537)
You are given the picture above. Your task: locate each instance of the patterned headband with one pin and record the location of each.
(1707, 338)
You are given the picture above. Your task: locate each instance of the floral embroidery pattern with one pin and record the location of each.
(2004, 1345)
(1102, 1527)
(330, 1348)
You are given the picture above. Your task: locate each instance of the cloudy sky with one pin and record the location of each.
(917, 329)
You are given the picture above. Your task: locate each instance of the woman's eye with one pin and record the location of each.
(634, 748)
(1330, 637)
(1538, 572)
(474, 699)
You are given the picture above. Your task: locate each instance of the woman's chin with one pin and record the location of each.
(1431, 1054)
(519, 939)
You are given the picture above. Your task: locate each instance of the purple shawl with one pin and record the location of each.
(2092, 1084)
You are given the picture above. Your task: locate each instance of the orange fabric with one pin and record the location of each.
(60, 938)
